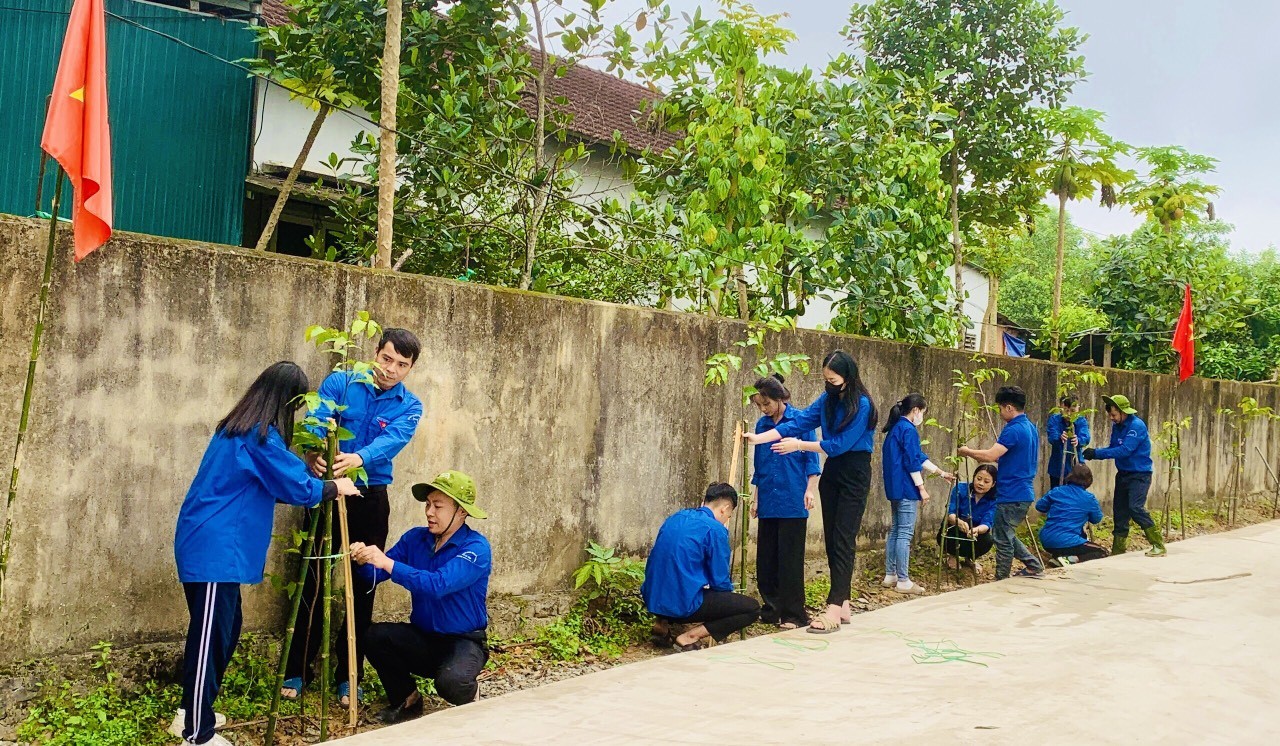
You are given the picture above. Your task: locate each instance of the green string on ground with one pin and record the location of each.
(942, 651)
(753, 660)
(809, 646)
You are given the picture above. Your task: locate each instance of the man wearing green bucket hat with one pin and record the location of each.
(445, 567)
(1131, 449)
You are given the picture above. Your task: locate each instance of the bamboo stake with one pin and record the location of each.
(326, 617)
(24, 418)
(1275, 502)
(353, 674)
(1182, 511)
(746, 515)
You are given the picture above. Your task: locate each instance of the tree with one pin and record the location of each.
(1026, 293)
(998, 61)
(1082, 163)
(1172, 193)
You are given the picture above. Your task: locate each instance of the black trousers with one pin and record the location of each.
(212, 636)
(723, 613)
(843, 488)
(398, 651)
(957, 544)
(1129, 501)
(1082, 552)
(367, 517)
(780, 569)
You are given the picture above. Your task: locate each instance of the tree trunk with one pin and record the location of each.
(387, 134)
(1056, 352)
(542, 191)
(988, 337)
(286, 188)
(957, 245)
(744, 310)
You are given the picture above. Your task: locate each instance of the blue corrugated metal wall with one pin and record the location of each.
(180, 120)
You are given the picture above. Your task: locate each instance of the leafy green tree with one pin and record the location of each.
(1172, 193)
(1081, 163)
(1026, 293)
(998, 63)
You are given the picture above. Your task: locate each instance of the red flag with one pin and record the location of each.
(1183, 343)
(76, 133)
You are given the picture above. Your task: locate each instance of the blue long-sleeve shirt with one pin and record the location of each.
(1130, 446)
(382, 422)
(981, 512)
(900, 456)
(224, 525)
(858, 435)
(1054, 429)
(1066, 510)
(782, 478)
(448, 588)
(691, 553)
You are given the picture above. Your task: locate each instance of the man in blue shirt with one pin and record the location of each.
(1067, 433)
(1131, 449)
(381, 417)
(686, 580)
(1017, 455)
(1066, 510)
(445, 567)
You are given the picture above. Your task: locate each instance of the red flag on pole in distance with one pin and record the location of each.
(1183, 342)
(76, 133)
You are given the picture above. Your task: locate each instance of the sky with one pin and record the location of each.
(1166, 72)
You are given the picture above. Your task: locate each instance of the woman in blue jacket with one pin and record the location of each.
(970, 515)
(224, 529)
(848, 419)
(1066, 510)
(783, 490)
(904, 465)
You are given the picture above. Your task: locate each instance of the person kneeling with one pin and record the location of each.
(445, 568)
(1066, 510)
(686, 579)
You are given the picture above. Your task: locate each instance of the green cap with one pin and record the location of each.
(456, 485)
(1120, 402)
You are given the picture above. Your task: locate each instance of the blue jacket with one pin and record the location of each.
(381, 421)
(1130, 446)
(859, 435)
(690, 553)
(224, 526)
(448, 588)
(1066, 509)
(899, 457)
(974, 512)
(781, 479)
(1015, 480)
(1054, 429)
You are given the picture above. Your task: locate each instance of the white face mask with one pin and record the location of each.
(916, 418)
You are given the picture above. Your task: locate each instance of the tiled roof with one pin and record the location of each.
(600, 103)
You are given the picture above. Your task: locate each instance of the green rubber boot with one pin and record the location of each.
(1157, 542)
(1118, 544)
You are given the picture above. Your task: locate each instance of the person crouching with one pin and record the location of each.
(445, 567)
(686, 580)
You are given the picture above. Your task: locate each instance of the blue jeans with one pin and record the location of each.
(1008, 546)
(897, 547)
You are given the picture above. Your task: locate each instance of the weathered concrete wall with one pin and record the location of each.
(579, 420)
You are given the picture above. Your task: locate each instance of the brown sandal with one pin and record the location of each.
(828, 624)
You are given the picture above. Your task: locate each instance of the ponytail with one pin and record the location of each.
(901, 408)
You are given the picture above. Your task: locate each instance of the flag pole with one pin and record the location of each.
(25, 417)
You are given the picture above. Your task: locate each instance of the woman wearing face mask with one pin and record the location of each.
(848, 419)
(904, 465)
(783, 489)
(970, 515)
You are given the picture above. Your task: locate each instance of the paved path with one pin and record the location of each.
(1124, 650)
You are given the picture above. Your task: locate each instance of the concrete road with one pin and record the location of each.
(1130, 649)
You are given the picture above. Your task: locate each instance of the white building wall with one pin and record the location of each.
(281, 128)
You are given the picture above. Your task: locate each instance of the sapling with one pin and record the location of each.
(1241, 421)
(1069, 382)
(345, 345)
(1170, 438)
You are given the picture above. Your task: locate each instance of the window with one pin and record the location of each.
(971, 341)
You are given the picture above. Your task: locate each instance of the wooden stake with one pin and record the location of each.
(349, 592)
(307, 544)
(1182, 511)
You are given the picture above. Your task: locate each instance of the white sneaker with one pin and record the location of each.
(179, 722)
(889, 581)
(909, 588)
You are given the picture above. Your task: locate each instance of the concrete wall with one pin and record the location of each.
(580, 420)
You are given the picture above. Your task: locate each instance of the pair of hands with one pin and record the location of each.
(809, 501)
(368, 554)
(1074, 441)
(341, 465)
(783, 446)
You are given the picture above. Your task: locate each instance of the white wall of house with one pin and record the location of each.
(281, 125)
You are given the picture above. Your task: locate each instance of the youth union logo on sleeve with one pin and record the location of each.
(469, 557)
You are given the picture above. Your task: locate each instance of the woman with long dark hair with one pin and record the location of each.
(783, 488)
(904, 466)
(848, 419)
(970, 515)
(224, 529)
